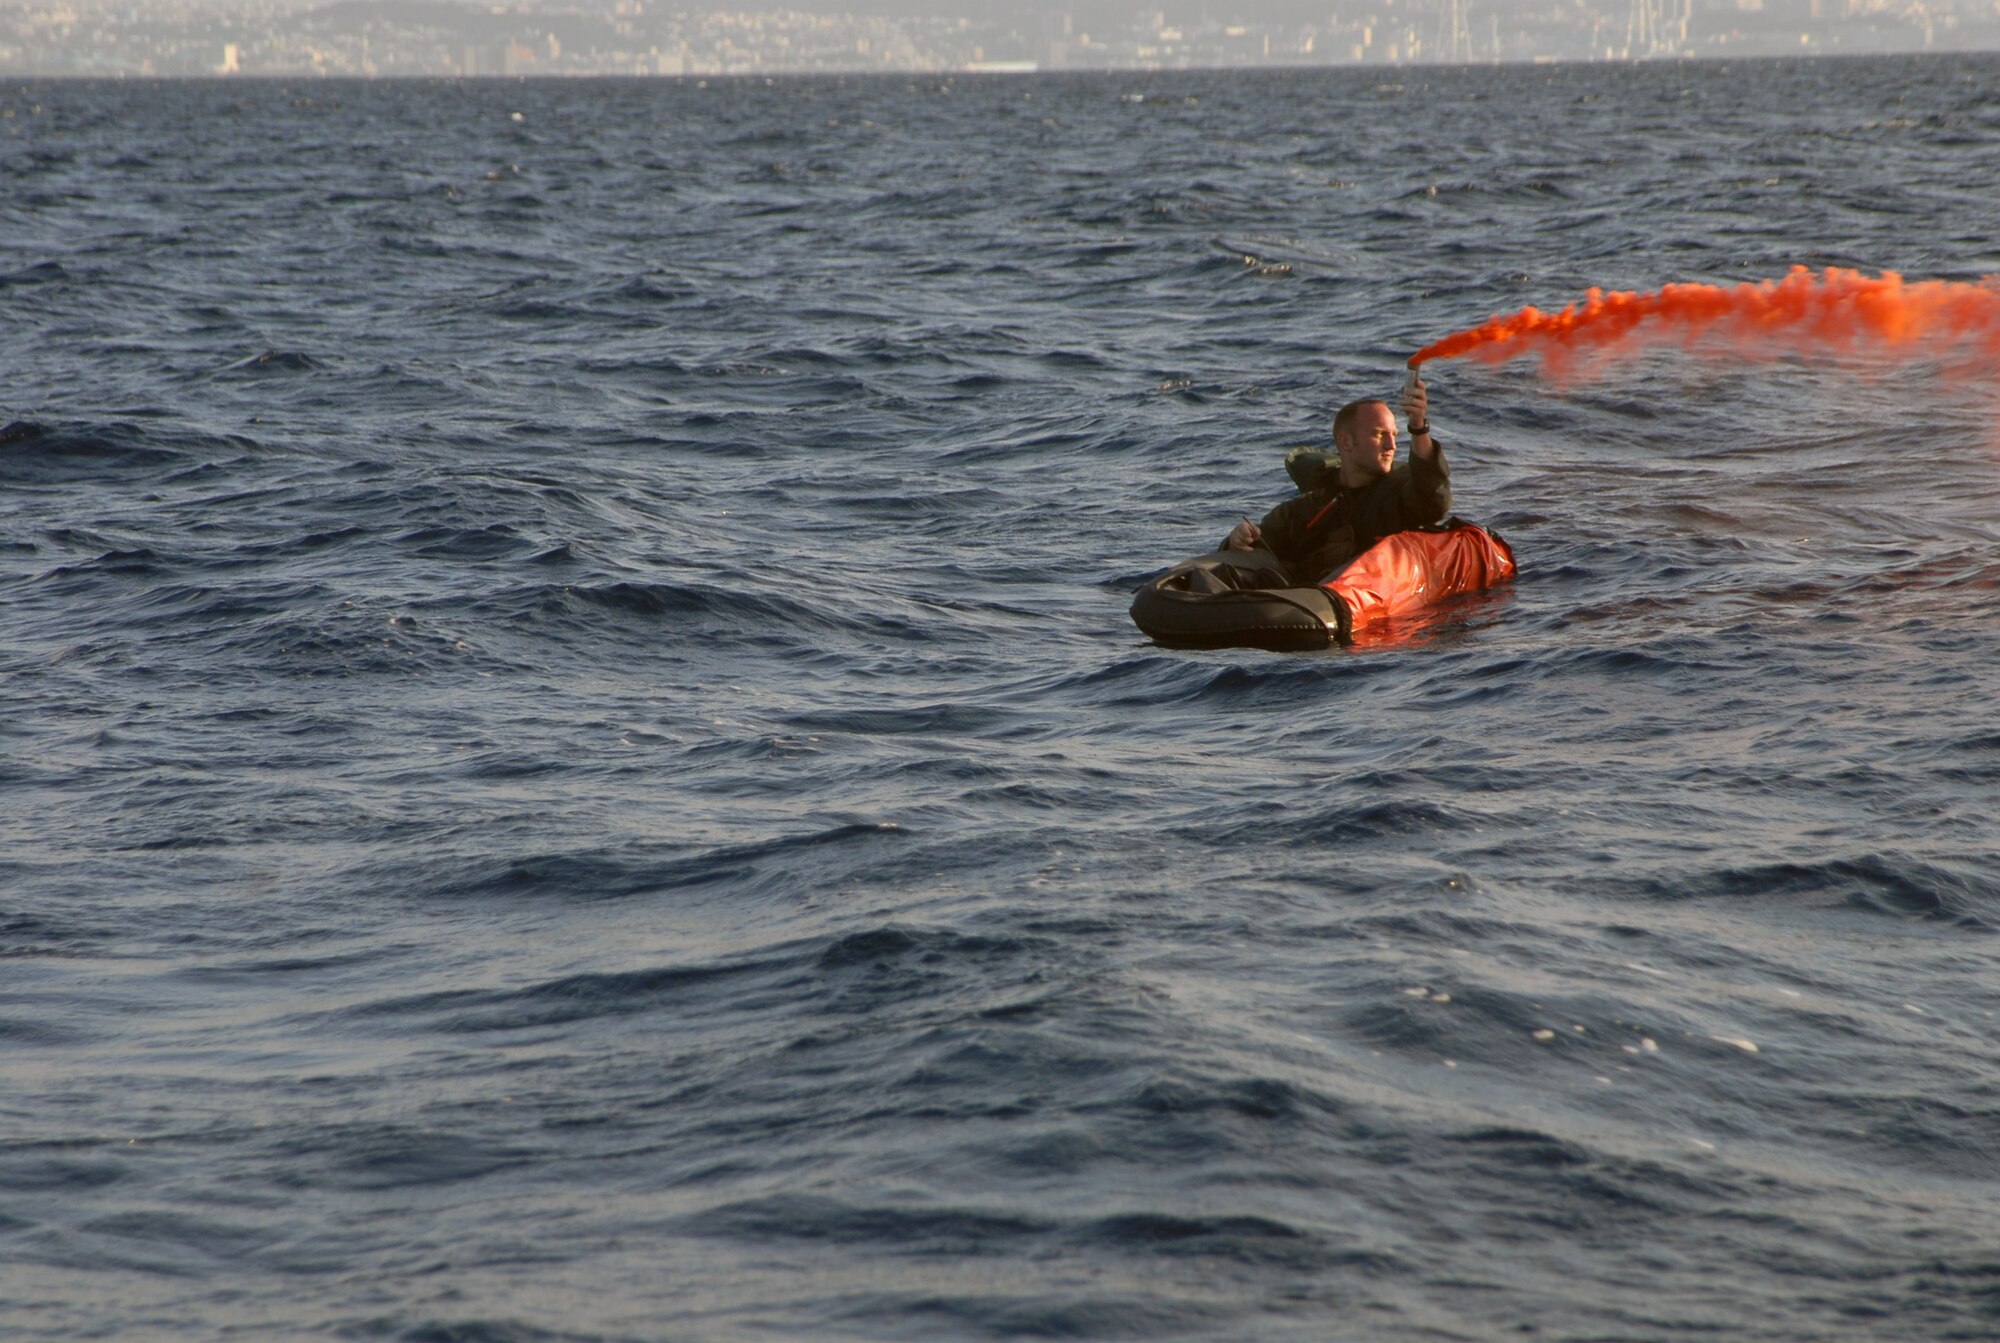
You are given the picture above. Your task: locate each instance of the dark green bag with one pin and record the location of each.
(1309, 467)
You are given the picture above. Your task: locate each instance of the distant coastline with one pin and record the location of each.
(227, 38)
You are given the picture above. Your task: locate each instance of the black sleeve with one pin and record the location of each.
(1416, 494)
(1284, 527)
(1426, 494)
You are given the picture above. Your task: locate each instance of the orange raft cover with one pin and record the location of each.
(1406, 570)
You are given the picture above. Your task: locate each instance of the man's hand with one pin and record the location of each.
(1417, 403)
(1417, 412)
(1245, 535)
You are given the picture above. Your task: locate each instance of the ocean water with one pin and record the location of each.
(573, 765)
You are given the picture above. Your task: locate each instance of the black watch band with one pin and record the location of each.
(1419, 430)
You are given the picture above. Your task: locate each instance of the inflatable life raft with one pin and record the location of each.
(1243, 598)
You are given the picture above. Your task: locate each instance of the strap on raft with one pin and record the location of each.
(1243, 599)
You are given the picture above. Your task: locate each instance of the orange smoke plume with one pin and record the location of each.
(1834, 311)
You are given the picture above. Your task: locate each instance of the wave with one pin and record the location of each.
(37, 454)
(973, 1231)
(593, 875)
(880, 967)
(385, 1156)
(41, 272)
(583, 614)
(1964, 894)
(270, 363)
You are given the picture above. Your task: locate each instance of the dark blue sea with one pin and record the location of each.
(574, 767)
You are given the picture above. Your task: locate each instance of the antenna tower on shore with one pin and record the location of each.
(1657, 27)
(1458, 37)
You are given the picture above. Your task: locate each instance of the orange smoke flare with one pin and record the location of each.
(1836, 310)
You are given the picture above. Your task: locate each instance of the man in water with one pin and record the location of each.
(1363, 498)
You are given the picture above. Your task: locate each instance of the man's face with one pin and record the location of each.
(1368, 449)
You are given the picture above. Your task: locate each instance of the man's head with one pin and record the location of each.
(1364, 434)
